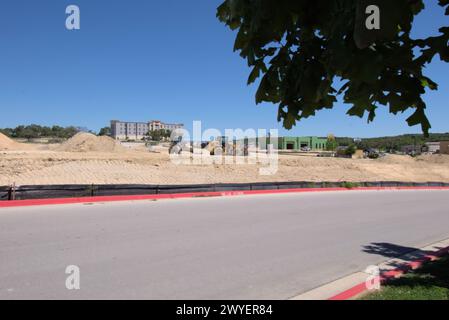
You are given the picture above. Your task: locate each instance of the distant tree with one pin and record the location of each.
(350, 150)
(159, 135)
(69, 132)
(106, 131)
(58, 132)
(28, 133)
(46, 132)
(8, 132)
(85, 129)
(332, 143)
(18, 131)
(301, 47)
(36, 131)
(155, 135)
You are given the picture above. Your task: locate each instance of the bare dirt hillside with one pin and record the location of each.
(9, 144)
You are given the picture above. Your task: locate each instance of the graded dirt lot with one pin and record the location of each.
(88, 159)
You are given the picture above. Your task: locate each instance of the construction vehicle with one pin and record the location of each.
(178, 145)
(214, 148)
(222, 146)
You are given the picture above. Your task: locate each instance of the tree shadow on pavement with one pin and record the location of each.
(407, 254)
(432, 276)
(390, 250)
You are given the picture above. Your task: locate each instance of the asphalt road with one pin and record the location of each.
(251, 247)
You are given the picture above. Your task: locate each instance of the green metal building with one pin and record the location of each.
(296, 143)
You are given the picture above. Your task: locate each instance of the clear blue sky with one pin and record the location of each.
(171, 60)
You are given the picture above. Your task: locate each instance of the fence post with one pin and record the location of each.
(10, 193)
(14, 191)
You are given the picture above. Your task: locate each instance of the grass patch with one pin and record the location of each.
(204, 196)
(350, 185)
(431, 282)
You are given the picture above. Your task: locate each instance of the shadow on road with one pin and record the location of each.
(430, 276)
(391, 250)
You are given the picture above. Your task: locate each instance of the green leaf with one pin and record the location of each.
(426, 82)
(419, 117)
(254, 75)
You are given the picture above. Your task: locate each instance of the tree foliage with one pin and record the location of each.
(106, 131)
(34, 131)
(302, 48)
(351, 150)
(394, 142)
(159, 135)
(331, 144)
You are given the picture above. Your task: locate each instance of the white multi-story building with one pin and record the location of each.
(432, 147)
(121, 130)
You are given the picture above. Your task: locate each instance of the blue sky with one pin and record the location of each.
(171, 60)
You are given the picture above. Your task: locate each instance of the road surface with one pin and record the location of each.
(250, 247)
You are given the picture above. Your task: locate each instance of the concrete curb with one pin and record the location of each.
(354, 285)
(60, 201)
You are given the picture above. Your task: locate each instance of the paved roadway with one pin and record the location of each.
(251, 247)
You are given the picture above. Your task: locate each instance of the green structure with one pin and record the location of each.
(297, 143)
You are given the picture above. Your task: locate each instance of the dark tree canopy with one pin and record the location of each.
(106, 131)
(35, 131)
(159, 134)
(301, 47)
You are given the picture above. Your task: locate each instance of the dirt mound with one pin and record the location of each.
(9, 144)
(87, 142)
(396, 159)
(408, 160)
(435, 158)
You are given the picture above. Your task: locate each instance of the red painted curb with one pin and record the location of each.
(59, 201)
(348, 294)
(391, 274)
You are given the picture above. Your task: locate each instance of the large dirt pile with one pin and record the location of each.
(87, 142)
(9, 144)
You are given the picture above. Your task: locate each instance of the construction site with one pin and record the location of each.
(90, 159)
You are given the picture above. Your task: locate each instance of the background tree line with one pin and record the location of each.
(394, 142)
(36, 131)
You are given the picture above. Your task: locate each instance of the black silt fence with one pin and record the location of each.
(79, 191)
